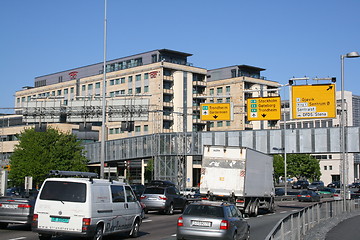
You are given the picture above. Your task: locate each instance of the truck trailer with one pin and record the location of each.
(239, 175)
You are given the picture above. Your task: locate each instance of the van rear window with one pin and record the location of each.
(64, 191)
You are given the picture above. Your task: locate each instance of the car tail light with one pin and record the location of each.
(180, 222)
(307, 195)
(335, 195)
(35, 220)
(85, 223)
(299, 195)
(0, 204)
(224, 225)
(240, 201)
(162, 197)
(24, 206)
(142, 197)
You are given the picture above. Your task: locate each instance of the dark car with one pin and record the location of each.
(301, 184)
(212, 220)
(315, 185)
(335, 184)
(355, 185)
(161, 183)
(138, 189)
(17, 208)
(279, 192)
(163, 198)
(308, 196)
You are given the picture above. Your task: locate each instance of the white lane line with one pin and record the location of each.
(19, 238)
(147, 220)
(283, 212)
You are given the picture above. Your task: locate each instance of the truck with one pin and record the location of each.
(239, 175)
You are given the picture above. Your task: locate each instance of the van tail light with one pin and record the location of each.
(85, 224)
(35, 221)
(24, 206)
(180, 222)
(240, 200)
(162, 198)
(224, 225)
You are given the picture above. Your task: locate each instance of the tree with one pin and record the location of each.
(39, 152)
(298, 165)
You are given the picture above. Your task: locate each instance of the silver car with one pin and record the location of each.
(212, 220)
(163, 198)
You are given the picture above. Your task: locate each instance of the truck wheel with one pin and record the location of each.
(254, 208)
(44, 237)
(98, 233)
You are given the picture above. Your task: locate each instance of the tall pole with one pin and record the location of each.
(103, 127)
(285, 163)
(343, 132)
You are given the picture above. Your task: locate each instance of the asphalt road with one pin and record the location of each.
(163, 227)
(345, 230)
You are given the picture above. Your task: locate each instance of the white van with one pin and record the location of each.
(85, 207)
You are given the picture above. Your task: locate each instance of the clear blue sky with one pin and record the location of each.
(286, 37)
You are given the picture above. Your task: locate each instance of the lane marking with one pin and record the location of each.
(19, 238)
(149, 220)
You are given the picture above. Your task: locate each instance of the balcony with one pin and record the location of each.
(168, 104)
(199, 83)
(168, 91)
(168, 78)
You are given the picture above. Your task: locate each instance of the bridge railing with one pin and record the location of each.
(296, 225)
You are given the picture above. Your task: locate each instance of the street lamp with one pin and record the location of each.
(342, 124)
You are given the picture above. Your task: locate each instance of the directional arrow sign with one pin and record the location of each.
(313, 101)
(216, 112)
(268, 108)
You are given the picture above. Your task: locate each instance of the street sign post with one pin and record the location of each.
(264, 108)
(216, 112)
(313, 101)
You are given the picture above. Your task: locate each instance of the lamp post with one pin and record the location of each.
(342, 124)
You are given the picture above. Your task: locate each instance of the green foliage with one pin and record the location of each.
(149, 170)
(39, 152)
(298, 165)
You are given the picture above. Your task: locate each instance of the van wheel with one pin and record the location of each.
(135, 229)
(98, 233)
(44, 237)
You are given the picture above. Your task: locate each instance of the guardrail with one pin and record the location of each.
(295, 225)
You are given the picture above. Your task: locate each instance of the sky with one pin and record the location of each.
(288, 38)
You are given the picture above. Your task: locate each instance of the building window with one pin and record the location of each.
(219, 90)
(122, 92)
(58, 92)
(111, 131)
(146, 76)
(83, 88)
(138, 90)
(228, 123)
(227, 100)
(53, 93)
(146, 128)
(146, 88)
(330, 167)
(137, 128)
(29, 98)
(325, 168)
(97, 85)
(219, 100)
(117, 81)
(130, 91)
(122, 80)
(138, 77)
(112, 82)
(233, 73)
(219, 124)
(130, 78)
(153, 58)
(90, 87)
(66, 91)
(227, 89)
(211, 91)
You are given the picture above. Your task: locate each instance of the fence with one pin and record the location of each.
(295, 225)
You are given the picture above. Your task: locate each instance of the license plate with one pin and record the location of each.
(201, 223)
(58, 219)
(9, 206)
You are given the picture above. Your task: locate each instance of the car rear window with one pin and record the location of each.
(64, 191)
(154, 190)
(204, 210)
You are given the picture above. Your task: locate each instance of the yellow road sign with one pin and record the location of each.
(313, 101)
(216, 111)
(264, 108)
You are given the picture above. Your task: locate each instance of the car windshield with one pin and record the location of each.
(64, 191)
(204, 210)
(154, 190)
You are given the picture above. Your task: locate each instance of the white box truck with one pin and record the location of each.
(240, 175)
